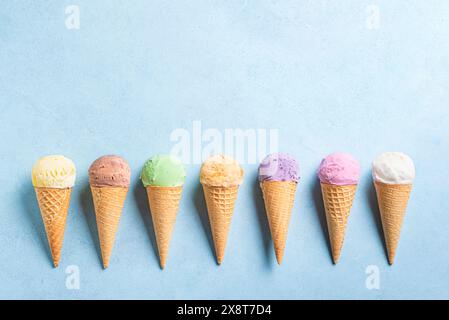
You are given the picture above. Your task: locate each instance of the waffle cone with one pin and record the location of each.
(279, 197)
(220, 207)
(54, 206)
(337, 204)
(164, 205)
(392, 199)
(108, 203)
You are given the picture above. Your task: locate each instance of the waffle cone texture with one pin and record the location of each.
(392, 200)
(337, 204)
(279, 197)
(164, 206)
(220, 203)
(108, 203)
(54, 206)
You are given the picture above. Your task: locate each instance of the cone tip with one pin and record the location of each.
(390, 260)
(391, 254)
(279, 257)
(105, 257)
(335, 258)
(55, 258)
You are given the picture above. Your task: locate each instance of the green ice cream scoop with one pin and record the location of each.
(163, 171)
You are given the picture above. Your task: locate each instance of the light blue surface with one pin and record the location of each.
(137, 70)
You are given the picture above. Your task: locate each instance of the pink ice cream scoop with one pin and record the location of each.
(110, 171)
(339, 169)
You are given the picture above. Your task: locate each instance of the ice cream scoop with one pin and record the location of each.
(53, 171)
(163, 171)
(112, 171)
(394, 168)
(339, 169)
(279, 167)
(221, 171)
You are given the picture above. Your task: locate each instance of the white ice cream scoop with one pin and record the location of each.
(393, 168)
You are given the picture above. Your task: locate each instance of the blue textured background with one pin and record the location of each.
(137, 70)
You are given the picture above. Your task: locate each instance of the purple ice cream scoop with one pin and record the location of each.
(279, 167)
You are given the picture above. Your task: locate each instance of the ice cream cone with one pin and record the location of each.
(337, 203)
(220, 206)
(279, 197)
(108, 203)
(54, 206)
(164, 205)
(163, 176)
(392, 199)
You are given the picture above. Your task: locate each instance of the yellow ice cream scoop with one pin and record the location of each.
(221, 170)
(54, 171)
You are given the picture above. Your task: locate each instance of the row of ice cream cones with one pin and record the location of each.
(163, 177)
